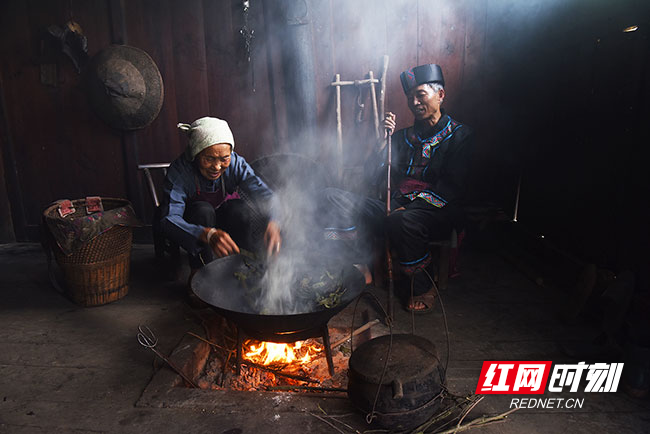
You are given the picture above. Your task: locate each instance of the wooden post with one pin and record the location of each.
(389, 260)
(382, 91)
(339, 131)
(373, 95)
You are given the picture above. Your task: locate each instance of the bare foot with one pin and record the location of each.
(417, 305)
(422, 303)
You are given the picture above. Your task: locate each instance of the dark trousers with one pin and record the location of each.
(233, 216)
(347, 213)
(409, 231)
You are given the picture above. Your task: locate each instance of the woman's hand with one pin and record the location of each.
(389, 124)
(272, 238)
(219, 241)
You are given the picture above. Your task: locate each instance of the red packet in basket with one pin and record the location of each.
(65, 208)
(93, 204)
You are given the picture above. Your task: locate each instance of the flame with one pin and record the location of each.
(267, 353)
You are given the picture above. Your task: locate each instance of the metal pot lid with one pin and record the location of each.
(411, 357)
(125, 87)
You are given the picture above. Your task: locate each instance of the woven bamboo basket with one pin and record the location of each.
(98, 272)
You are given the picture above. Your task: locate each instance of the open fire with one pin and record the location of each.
(271, 366)
(291, 355)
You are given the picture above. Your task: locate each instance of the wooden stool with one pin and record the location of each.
(444, 247)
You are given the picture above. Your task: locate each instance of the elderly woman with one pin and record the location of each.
(430, 162)
(201, 210)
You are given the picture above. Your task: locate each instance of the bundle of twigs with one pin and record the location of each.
(452, 416)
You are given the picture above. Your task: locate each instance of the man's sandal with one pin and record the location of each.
(428, 299)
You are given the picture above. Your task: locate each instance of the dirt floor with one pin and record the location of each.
(70, 369)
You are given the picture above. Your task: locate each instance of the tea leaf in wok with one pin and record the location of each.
(240, 276)
(250, 278)
(254, 268)
(333, 299)
(248, 254)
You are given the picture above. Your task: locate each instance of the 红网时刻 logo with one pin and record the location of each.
(526, 377)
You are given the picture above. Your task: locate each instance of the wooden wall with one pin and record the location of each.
(554, 90)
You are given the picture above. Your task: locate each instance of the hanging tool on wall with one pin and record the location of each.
(377, 107)
(56, 40)
(360, 105)
(248, 35)
(359, 84)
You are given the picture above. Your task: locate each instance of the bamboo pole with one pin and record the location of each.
(373, 95)
(389, 260)
(338, 81)
(339, 130)
(382, 91)
(516, 214)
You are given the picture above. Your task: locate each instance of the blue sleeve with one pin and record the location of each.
(245, 178)
(175, 196)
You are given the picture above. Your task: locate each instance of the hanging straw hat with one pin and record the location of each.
(125, 87)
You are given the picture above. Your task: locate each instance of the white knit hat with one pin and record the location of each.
(206, 132)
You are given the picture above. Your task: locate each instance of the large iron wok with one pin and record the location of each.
(217, 285)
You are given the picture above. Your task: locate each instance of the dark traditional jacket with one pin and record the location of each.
(430, 171)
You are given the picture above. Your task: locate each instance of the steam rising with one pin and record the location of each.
(304, 251)
(296, 209)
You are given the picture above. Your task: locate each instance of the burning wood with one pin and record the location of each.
(269, 353)
(268, 365)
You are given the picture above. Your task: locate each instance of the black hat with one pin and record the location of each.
(412, 77)
(125, 87)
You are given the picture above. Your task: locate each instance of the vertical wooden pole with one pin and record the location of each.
(389, 260)
(339, 131)
(516, 214)
(382, 91)
(373, 94)
(129, 139)
(13, 219)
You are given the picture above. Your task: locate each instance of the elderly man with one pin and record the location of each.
(430, 162)
(201, 210)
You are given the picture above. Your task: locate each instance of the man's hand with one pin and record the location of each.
(272, 238)
(389, 124)
(220, 242)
